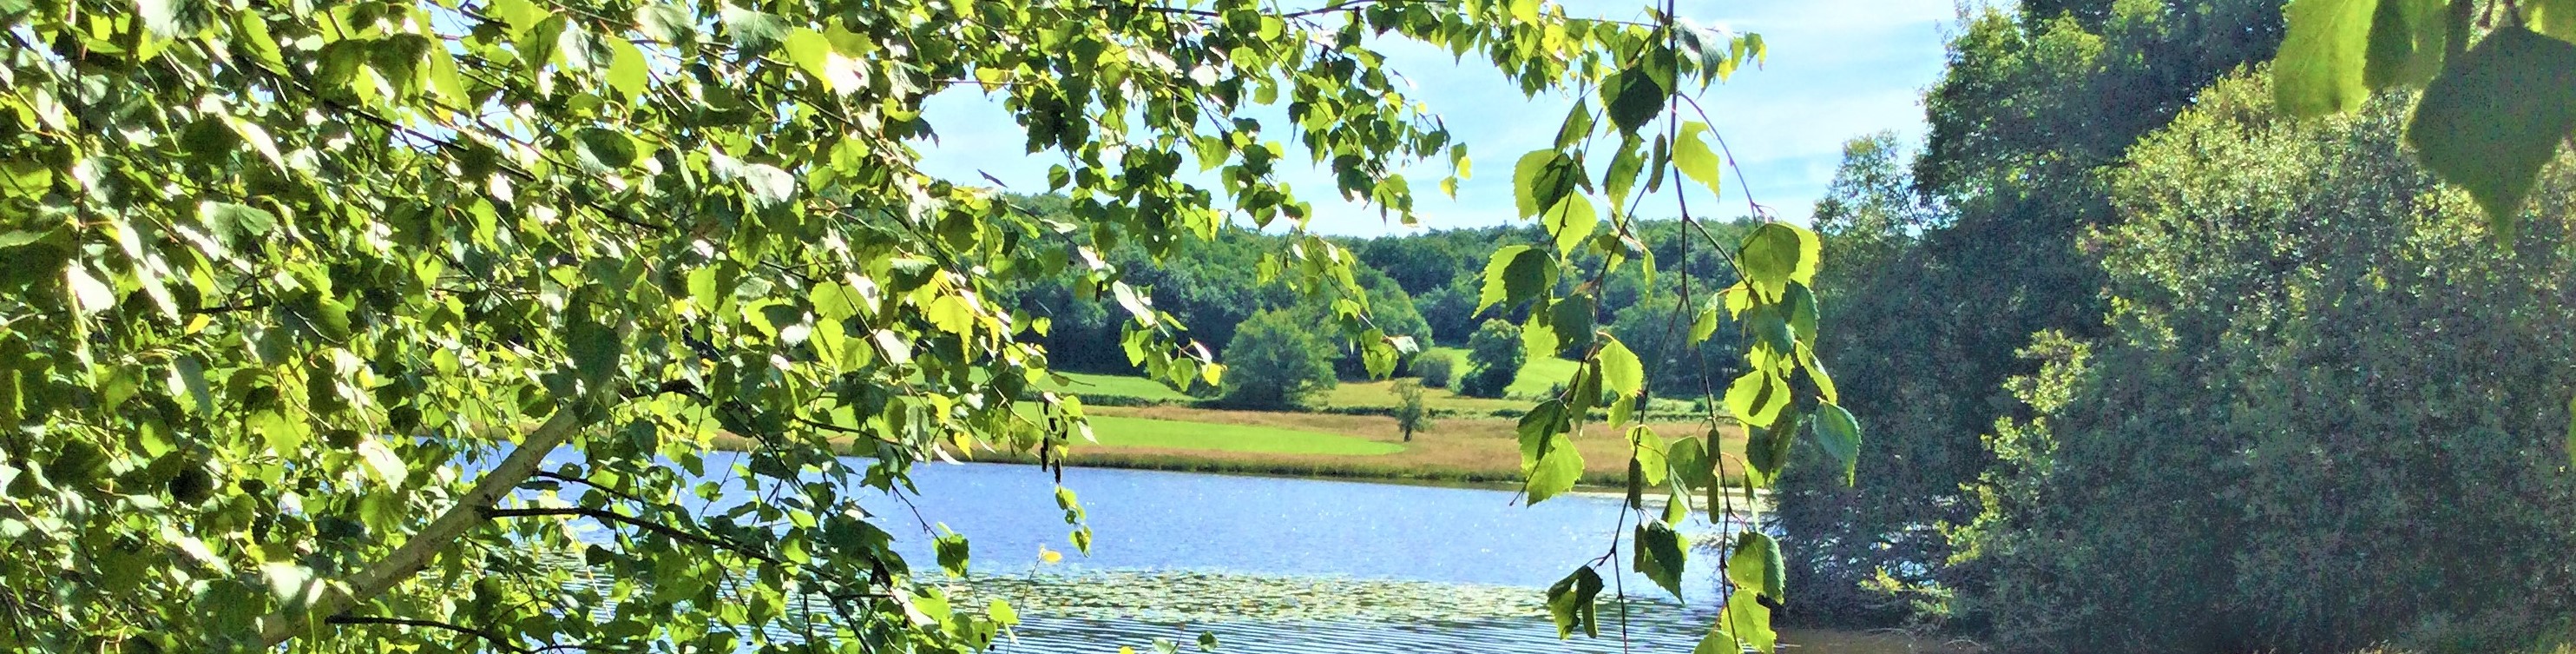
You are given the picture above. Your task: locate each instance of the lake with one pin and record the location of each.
(1264, 525)
(1273, 565)
(1282, 565)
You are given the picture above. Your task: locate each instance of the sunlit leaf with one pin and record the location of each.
(1660, 555)
(2494, 118)
(1693, 156)
(1570, 603)
(2321, 64)
(1621, 372)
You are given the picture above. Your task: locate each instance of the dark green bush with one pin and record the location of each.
(2331, 412)
(1434, 368)
(1494, 357)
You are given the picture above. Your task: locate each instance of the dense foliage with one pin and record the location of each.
(354, 326)
(1435, 369)
(2221, 361)
(1276, 361)
(1962, 253)
(2328, 413)
(1494, 357)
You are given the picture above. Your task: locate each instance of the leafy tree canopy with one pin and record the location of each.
(310, 293)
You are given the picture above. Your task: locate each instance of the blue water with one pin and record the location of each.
(1270, 525)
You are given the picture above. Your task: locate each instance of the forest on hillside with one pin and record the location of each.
(1423, 285)
(2152, 366)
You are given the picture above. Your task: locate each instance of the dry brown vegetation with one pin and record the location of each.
(1454, 449)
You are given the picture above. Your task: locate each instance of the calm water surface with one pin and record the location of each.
(1265, 525)
(1274, 565)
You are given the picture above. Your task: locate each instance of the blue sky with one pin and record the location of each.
(1838, 69)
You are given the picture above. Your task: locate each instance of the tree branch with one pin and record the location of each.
(416, 553)
(495, 639)
(605, 515)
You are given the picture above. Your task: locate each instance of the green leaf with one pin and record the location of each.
(593, 346)
(627, 73)
(754, 32)
(1756, 566)
(1660, 555)
(1133, 302)
(2320, 69)
(605, 150)
(1548, 459)
(1652, 466)
(1543, 178)
(2496, 117)
(950, 314)
(1704, 325)
(1692, 155)
(1690, 463)
(1570, 323)
(1839, 434)
(665, 23)
(1766, 448)
(1718, 641)
(88, 293)
(1620, 370)
(1570, 603)
(1750, 623)
(1207, 641)
(1525, 179)
(2571, 431)
(951, 550)
(1515, 274)
(2406, 41)
(1801, 304)
(2552, 18)
(1778, 253)
(1756, 397)
(1571, 221)
(1633, 97)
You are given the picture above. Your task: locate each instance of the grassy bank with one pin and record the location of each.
(1463, 450)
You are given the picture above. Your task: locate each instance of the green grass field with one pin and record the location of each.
(1089, 384)
(1173, 434)
(1535, 376)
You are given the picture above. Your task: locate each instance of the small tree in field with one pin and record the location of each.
(1410, 414)
(1275, 362)
(1494, 356)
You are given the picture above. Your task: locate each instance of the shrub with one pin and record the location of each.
(1275, 362)
(1435, 368)
(1494, 357)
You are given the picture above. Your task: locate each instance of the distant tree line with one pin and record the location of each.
(1421, 285)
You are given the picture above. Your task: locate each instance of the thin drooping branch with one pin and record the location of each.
(605, 515)
(416, 553)
(495, 639)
